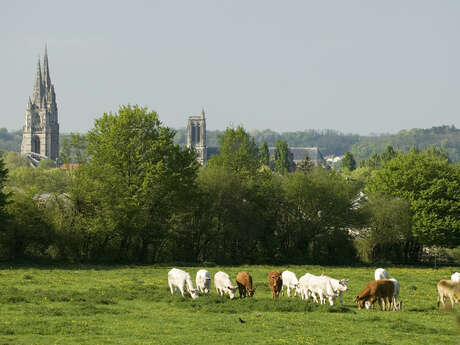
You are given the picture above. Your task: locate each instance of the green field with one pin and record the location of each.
(133, 305)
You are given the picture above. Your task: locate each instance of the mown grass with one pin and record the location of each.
(133, 305)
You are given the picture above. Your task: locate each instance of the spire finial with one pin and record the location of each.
(202, 112)
(46, 70)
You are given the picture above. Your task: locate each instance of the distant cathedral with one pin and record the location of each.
(196, 136)
(40, 134)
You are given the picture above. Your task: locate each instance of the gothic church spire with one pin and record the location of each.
(38, 86)
(46, 72)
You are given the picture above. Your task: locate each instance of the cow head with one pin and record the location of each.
(231, 291)
(194, 294)
(251, 292)
(343, 285)
(360, 302)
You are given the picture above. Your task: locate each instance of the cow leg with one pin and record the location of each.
(321, 298)
(240, 289)
(341, 299)
(288, 291)
(181, 289)
(313, 294)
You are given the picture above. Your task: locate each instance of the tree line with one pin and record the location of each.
(329, 142)
(138, 196)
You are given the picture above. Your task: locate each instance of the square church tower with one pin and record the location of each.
(196, 136)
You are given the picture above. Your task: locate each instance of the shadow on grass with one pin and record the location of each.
(216, 304)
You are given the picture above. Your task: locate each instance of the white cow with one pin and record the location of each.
(455, 277)
(381, 273)
(290, 282)
(396, 303)
(305, 293)
(321, 286)
(178, 279)
(203, 281)
(224, 284)
(339, 287)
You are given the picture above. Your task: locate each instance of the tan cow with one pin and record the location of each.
(276, 283)
(377, 290)
(450, 289)
(244, 281)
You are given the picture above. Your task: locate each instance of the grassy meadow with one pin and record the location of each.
(133, 305)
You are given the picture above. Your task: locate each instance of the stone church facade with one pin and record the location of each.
(40, 134)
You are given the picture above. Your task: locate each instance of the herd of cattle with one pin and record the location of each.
(383, 289)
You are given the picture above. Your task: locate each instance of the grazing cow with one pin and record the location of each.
(224, 285)
(244, 282)
(339, 287)
(376, 290)
(305, 293)
(203, 281)
(455, 277)
(381, 273)
(275, 280)
(448, 288)
(397, 305)
(322, 287)
(178, 279)
(290, 282)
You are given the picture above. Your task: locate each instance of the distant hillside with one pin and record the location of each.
(10, 141)
(446, 137)
(330, 142)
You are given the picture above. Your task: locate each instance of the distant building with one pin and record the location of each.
(196, 136)
(299, 154)
(40, 134)
(69, 166)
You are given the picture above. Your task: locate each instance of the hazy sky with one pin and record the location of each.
(355, 66)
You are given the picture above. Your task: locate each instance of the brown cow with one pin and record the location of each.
(376, 290)
(276, 283)
(244, 281)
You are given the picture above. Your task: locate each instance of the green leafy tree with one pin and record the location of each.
(237, 152)
(135, 181)
(388, 154)
(14, 160)
(319, 213)
(432, 187)
(29, 231)
(46, 164)
(3, 194)
(284, 161)
(387, 235)
(306, 165)
(264, 154)
(74, 149)
(348, 162)
(38, 181)
(234, 221)
(65, 153)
